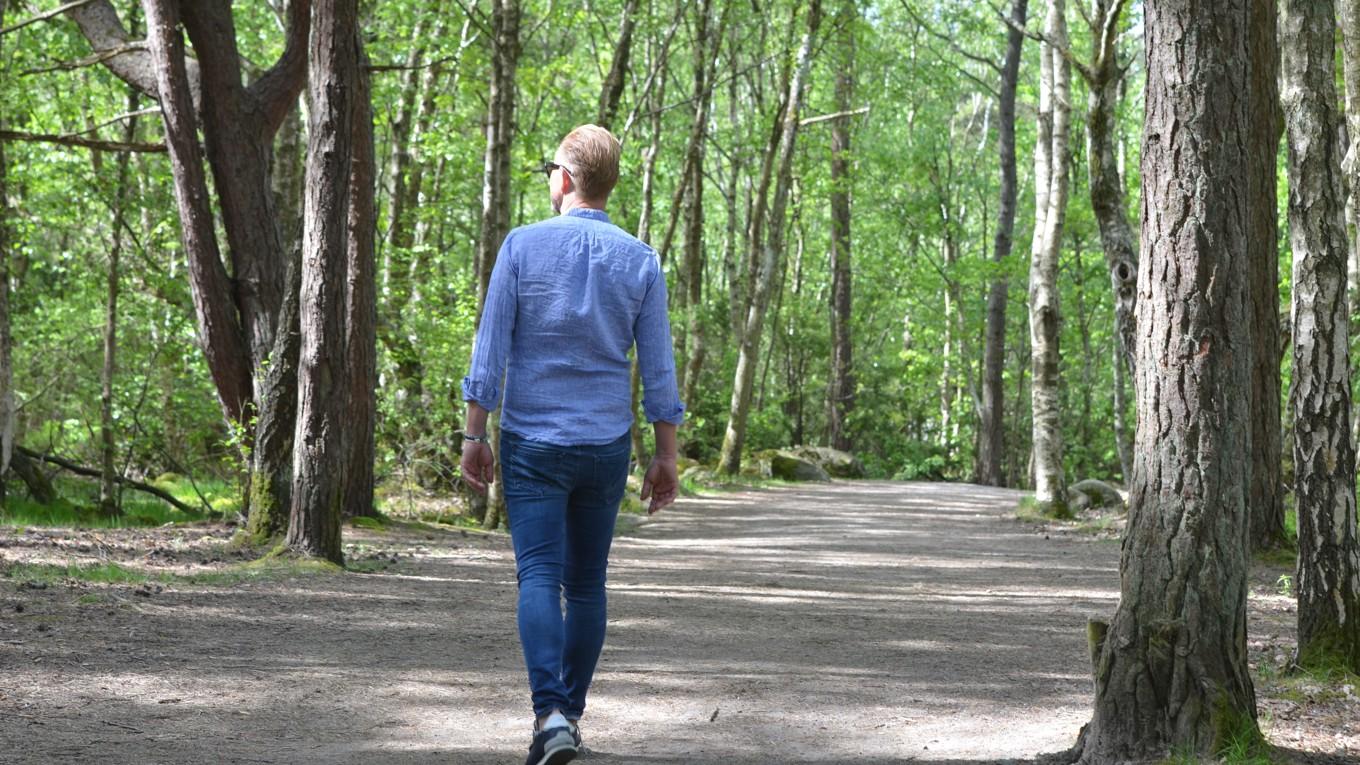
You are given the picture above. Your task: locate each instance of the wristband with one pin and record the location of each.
(482, 439)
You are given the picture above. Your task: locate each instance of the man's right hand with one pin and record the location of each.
(661, 483)
(478, 464)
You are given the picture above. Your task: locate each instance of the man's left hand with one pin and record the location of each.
(478, 465)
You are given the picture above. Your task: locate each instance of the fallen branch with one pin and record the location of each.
(85, 143)
(79, 469)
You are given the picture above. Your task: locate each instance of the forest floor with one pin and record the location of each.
(846, 624)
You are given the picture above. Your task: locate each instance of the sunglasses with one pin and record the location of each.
(547, 167)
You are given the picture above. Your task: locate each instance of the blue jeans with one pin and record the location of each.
(561, 502)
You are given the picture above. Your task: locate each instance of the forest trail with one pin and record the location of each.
(846, 624)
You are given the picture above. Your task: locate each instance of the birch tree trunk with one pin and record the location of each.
(1171, 670)
(321, 436)
(1349, 24)
(1328, 583)
(1267, 493)
(1050, 201)
(992, 426)
(771, 254)
(841, 392)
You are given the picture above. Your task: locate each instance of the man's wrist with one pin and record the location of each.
(663, 456)
(476, 439)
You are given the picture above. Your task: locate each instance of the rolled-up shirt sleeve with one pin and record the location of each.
(491, 347)
(656, 358)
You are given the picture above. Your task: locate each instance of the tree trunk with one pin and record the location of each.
(1104, 77)
(224, 344)
(991, 440)
(271, 469)
(1328, 583)
(1350, 165)
(6, 361)
(841, 395)
(1171, 671)
(1266, 492)
(1050, 200)
(771, 252)
(361, 306)
(321, 436)
(500, 131)
(690, 288)
(612, 90)
(109, 503)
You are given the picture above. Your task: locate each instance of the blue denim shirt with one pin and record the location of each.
(568, 298)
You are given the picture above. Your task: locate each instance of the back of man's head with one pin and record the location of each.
(592, 155)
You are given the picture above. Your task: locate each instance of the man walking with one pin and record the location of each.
(568, 298)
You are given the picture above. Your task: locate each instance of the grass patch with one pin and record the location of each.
(77, 502)
(97, 573)
(369, 522)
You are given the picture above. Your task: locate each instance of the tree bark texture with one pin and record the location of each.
(6, 356)
(612, 89)
(224, 344)
(1104, 78)
(992, 426)
(691, 281)
(1267, 493)
(500, 131)
(771, 245)
(841, 393)
(1171, 671)
(1349, 24)
(1050, 203)
(1328, 584)
(361, 352)
(320, 438)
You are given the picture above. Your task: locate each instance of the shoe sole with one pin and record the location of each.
(559, 756)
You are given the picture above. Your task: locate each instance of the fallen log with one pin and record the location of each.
(79, 469)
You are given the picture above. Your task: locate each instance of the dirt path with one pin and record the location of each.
(843, 624)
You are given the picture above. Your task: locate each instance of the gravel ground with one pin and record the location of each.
(844, 624)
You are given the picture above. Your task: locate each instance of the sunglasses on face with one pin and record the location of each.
(547, 167)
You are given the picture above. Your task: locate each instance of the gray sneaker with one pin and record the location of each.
(554, 746)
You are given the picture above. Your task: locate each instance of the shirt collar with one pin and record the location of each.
(586, 212)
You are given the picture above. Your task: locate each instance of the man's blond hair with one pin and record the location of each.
(592, 156)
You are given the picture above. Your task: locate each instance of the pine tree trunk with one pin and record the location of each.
(1050, 172)
(221, 337)
(771, 246)
(1328, 583)
(1266, 493)
(361, 317)
(319, 454)
(500, 132)
(991, 425)
(841, 393)
(1171, 671)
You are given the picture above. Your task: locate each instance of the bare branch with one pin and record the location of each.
(1064, 50)
(949, 40)
(90, 60)
(44, 16)
(85, 143)
(828, 117)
